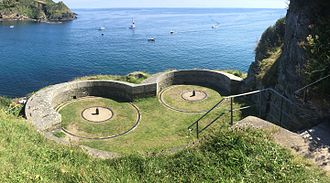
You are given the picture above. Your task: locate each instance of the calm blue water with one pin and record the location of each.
(35, 55)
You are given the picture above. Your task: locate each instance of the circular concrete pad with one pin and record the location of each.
(97, 114)
(189, 98)
(194, 96)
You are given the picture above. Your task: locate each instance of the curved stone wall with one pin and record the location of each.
(224, 83)
(40, 108)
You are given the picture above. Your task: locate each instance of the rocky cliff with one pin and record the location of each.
(294, 53)
(302, 21)
(37, 10)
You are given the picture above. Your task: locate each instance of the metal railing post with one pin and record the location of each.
(231, 112)
(281, 112)
(260, 105)
(197, 129)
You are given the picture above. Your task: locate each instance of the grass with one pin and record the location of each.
(268, 52)
(266, 66)
(160, 129)
(59, 134)
(10, 106)
(223, 156)
(135, 77)
(237, 73)
(172, 97)
(123, 119)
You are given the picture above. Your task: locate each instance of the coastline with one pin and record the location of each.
(27, 19)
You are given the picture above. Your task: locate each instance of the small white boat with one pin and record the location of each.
(215, 26)
(101, 28)
(132, 27)
(11, 27)
(171, 32)
(151, 39)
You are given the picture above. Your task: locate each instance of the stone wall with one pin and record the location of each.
(224, 83)
(40, 108)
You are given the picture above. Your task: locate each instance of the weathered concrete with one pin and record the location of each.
(312, 144)
(224, 83)
(40, 108)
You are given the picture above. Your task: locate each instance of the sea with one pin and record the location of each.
(34, 55)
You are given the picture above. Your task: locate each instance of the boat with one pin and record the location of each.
(151, 39)
(132, 27)
(171, 32)
(101, 28)
(215, 26)
(11, 27)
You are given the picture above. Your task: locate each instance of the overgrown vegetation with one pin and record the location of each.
(135, 77)
(268, 51)
(10, 106)
(224, 156)
(268, 68)
(318, 51)
(271, 40)
(38, 10)
(237, 73)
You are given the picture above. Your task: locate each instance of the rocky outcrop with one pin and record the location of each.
(288, 70)
(301, 18)
(35, 10)
(263, 72)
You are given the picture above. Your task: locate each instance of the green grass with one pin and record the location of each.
(237, 73)
(59, 134)
(223, 156)
(172, 97)
(123, 119)
(268, 52)
(10, 106)
(267, 72)
(135, 77)
(160, 128)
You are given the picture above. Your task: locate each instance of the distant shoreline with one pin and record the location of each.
(28, 20)
(36, 20)
(138, 8)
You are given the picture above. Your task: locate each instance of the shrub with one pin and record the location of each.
(317, 46)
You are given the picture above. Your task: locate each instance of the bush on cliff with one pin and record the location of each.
(318, 51)
(263, 72)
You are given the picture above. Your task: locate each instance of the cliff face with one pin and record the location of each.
(38, 10)
(263, 72)
(302, 18)
(300, 56)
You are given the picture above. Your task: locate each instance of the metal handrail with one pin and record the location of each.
(213, 121)
(280, 95)
(312, 84)
(210, 110)
(231, 98)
